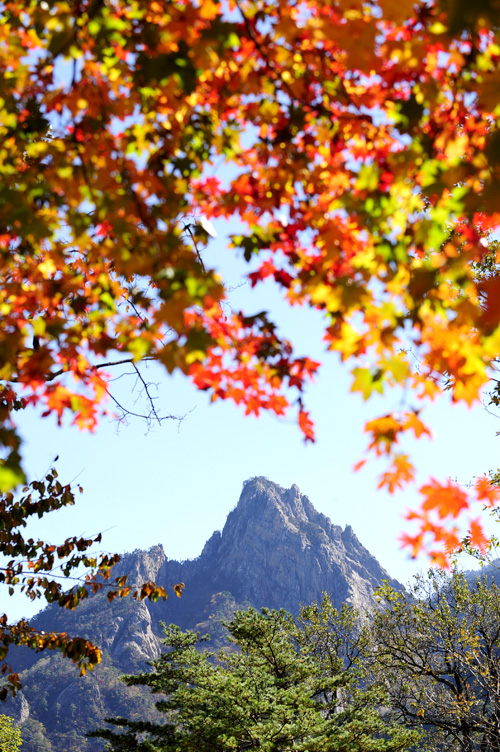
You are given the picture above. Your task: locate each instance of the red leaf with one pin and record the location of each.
(306, 426)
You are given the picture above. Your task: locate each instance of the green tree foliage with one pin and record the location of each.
(34, 737)
(438, 649)
(10, 736)
(284, 683)
(64, 706)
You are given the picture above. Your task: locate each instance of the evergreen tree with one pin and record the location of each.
(35, 737)
(284, 683)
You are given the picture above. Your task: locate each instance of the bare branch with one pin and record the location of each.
(188, 228)
(147, 417)
(108, 364)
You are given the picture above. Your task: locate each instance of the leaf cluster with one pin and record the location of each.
(41, 570)
(10, 736)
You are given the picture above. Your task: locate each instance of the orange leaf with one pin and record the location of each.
(415, 542)
(486, 491)
(448, 500)
(440, 559)
(401, 472)
(384, 432)
(414, 423)
(476, 536)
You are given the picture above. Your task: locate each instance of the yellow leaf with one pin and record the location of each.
(438, 28)
(10, 478)
(366, 382)
(139, 347)
(47, 268)
(209, 9)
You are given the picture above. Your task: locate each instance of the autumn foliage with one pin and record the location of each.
(43, 570)
(356, 143)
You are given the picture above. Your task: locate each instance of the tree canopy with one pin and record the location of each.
(438, 649)
(283, 684)
(10, 736)
(361, 151)
(356, 144)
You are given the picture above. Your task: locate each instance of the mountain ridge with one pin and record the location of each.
(281, 532)
(275, 550)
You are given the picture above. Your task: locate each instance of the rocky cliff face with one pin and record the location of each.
(275, 550)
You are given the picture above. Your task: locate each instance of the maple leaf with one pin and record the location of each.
(476, 536)
(414, 542)
(366, 382)
(385, 432)
(414, 423)
(440, 559)
(486, 491)
(447, 500)
(306, 425)
(400, 473)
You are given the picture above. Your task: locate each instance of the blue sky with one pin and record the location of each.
(175, 484)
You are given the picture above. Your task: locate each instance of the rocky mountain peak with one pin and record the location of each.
(290, 504)
(141, 566)
(277, 550)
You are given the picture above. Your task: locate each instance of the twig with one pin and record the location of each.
(147, 418)
(188, 228)
(146, 389)
(108, 364)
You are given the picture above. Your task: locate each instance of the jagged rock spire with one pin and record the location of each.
(277, 550)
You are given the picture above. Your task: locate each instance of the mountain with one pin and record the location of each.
(275, 550)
